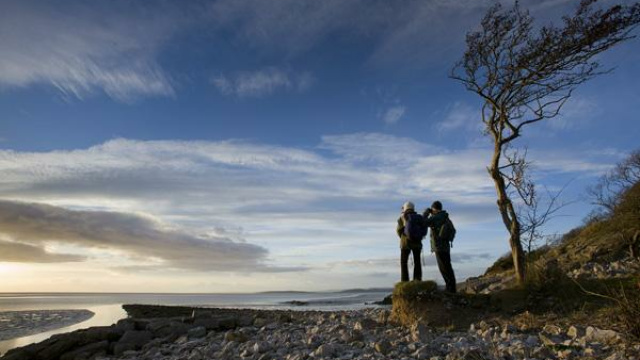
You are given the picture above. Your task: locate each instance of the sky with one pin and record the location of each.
(251, 145)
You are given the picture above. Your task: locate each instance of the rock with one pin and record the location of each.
(260, 322)
(208, 323)
(616, 356)
(383, 347)
(420, 333)
(350, 336)
(602, 336)
(565, 354)
(575, 332)
(325, 350)
(235, 336)
(167, 328)
(227, 323)
(550, 340)
(421, 353)
(365, 324)
(532, 341)
(552, 329)
(197, 332)
(473, 355)
(87, 351)
(261, 347)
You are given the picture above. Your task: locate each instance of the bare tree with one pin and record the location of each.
(607, 192)
(533, 217)
(524, 76)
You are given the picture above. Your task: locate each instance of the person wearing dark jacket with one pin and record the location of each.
(408, 245)
(434, 218)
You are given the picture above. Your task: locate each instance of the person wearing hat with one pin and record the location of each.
(410, 230)
(435, 218)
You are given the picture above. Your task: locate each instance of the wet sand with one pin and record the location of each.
(15, 324)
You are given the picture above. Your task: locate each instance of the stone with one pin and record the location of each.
(235, 336)
(132, 340)
(167, 328)
(593, 334)
(552, 329)
(383, 347)
(616, 356)
(550, 340)
(261, 347)
(260, 322)
(325, 350)
(365, 324)
(87, 351)
(227, 323)
(575, 332)
(565, 354)
(197, 332)
(420, 333)
(208, 323)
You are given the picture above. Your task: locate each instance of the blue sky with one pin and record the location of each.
(251, 145)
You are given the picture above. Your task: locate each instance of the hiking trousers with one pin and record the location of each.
(404, 264)
(444, 265)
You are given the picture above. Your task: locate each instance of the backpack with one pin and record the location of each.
(447, 231)
(414, 227)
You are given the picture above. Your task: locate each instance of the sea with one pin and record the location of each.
(108, 307)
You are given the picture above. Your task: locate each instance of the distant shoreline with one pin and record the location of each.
(16, 324)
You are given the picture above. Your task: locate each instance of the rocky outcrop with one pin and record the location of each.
(307, 335)
(616, 269)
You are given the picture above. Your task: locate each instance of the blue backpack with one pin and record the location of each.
(414, 228)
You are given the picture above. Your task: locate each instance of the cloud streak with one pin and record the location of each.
(262, 82)
(82, 49)
(32, 226)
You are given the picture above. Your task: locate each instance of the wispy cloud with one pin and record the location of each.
(393, 114)
(262, 82)
(81, 49)
(460, 116)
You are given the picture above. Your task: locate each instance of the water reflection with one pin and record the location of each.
(104, 315)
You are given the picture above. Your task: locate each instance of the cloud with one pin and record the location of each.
(32, 226)
(578, 112)
(11, 251)
(318, 203)
(262, 82)
(393, 115)
(81, 49)
(460, 116)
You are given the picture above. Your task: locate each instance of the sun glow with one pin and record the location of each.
(8, 268)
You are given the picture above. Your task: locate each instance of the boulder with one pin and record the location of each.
(197, 332)
(87, 351)
(594, 334)
(132, 340)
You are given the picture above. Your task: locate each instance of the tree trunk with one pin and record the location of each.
(509, 216)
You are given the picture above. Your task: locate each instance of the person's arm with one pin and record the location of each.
(400, 227)
(427, 218)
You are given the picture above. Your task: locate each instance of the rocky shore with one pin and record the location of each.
(198, 334)
(14, 324)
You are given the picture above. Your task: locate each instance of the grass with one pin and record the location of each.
(414, 289)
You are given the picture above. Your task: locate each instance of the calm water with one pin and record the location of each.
(108, 307)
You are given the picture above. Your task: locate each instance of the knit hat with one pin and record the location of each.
(408, 206)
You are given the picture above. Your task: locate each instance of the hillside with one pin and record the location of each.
(590, 278)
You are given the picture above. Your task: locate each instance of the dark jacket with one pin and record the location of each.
(434, 222)
(405, 243)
